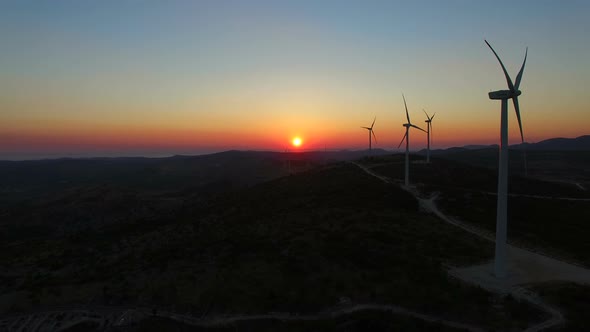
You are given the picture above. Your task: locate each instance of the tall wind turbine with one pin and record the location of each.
(428, 133)
(407, 139)
(371, 132)
(501, 214)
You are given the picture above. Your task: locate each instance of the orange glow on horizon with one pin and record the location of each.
(73, 134)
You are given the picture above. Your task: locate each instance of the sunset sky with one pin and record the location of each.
(135, 77)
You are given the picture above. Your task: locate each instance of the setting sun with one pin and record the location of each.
(297, 141)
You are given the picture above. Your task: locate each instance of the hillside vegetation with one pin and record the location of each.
(302, 243)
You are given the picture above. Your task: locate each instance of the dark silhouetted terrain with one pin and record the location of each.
(234, 233)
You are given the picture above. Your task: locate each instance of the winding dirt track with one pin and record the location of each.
(48, 320)
(572, 273)
(330, 314)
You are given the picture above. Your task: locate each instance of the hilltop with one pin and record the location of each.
(558, 159)
(581, 143)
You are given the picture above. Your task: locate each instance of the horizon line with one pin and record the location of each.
(33, 156)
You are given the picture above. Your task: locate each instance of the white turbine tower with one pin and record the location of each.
(407, 138)
(371, 132)
(501, 214)
(428, 133)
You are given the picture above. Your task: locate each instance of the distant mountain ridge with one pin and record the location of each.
(581, 143)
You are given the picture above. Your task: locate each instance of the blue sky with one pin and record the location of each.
(218, 67)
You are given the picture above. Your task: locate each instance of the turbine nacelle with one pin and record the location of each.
(408, 125)
(503, 94)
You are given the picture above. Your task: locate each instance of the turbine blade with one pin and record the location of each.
(432, 116)
(517, 110)
(430, 131)
(366, 128)
(407, 115)
(508, 80)
(417, 127)
(375, 137)
(373, 122)
(423, 110)
(403, 139)
(519, 76)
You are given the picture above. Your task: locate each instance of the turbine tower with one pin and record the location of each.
(501, 212)
(428, 133)
(407, 139)
(371, 132)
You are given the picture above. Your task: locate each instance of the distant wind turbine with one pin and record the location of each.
(407, 139)
(501, 214)
(428, 134)
(371, 132)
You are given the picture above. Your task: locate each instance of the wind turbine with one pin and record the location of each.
(501, 212)
(371, 132)
(428, 133)
(407, 139)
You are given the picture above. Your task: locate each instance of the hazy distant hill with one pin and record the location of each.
(564, 165)
(581, 143)
(205, 173)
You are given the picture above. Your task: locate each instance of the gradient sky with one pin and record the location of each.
(164, 77)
